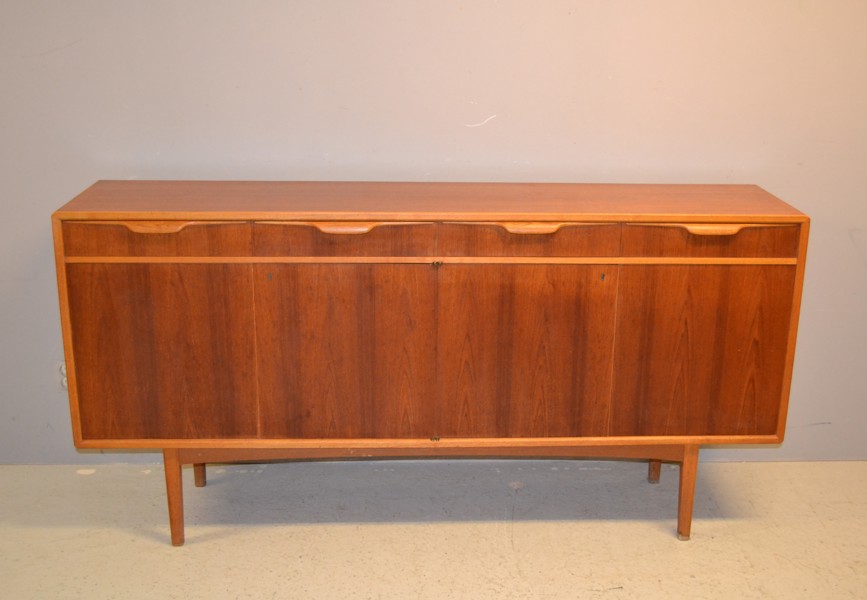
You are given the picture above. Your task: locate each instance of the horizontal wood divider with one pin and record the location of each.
(672, 452)
(468, 445)
(440, 260)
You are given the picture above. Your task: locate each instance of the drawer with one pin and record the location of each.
(156, 238)
(724, 240)
(529, 239)
(343, 238)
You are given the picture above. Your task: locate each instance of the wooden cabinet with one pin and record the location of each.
(223, 321)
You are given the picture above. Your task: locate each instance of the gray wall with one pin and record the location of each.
(758, 91)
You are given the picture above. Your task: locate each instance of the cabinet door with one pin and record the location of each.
(701, 350)
(346, 350)
(525, 350)
(163, 350)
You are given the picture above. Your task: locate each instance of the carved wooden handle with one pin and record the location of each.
(342, 227)
(156, 226)
(345, 228)
(706, 228)
(714, 228)
(526, 227)
(530, 228)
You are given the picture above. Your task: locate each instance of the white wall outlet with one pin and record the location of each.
(62, 380)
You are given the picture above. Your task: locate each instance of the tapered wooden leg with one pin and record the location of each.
(175, 494)
(200, 475)
(688, 472)
(654, 468)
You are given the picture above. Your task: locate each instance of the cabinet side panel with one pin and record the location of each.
(163, 350)
(793, 329)
(63, 298)
(701, 350)
(346, 351)
(525, 350)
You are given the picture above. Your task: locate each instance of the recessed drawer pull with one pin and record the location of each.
(707, 228)
(345, 228)
(157, 227)
(528, 227)
(714, 229)
(532, 228)
(341, 227)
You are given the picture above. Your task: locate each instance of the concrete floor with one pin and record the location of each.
(435, 529)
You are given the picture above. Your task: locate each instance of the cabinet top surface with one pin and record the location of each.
(226, 200)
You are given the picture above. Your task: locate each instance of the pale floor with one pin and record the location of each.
(435, 529)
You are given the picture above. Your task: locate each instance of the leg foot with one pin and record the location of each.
(688, 471)
(200, 475)
(175, 495)
(654, 468)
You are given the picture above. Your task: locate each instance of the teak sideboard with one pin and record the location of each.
(245, 321)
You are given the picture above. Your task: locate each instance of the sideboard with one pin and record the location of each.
(247, 321)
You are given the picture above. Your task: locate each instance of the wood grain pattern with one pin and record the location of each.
(160, 227)
(530, 227)
(680, 241)
(174, 494)
(163, 350)
(483, 240)
(361, 201)
(343, 227)
(803, 242)
(161, 239)
(346, 350)
(666, 452)
(701, 350)
(309, 239)
(472, 446)
(686, 492)
(525, 350)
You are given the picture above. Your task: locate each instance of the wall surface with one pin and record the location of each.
(759, 91)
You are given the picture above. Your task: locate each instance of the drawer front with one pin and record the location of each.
(529, 239)
(156, 238)
(724, 240)
(343, 238)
